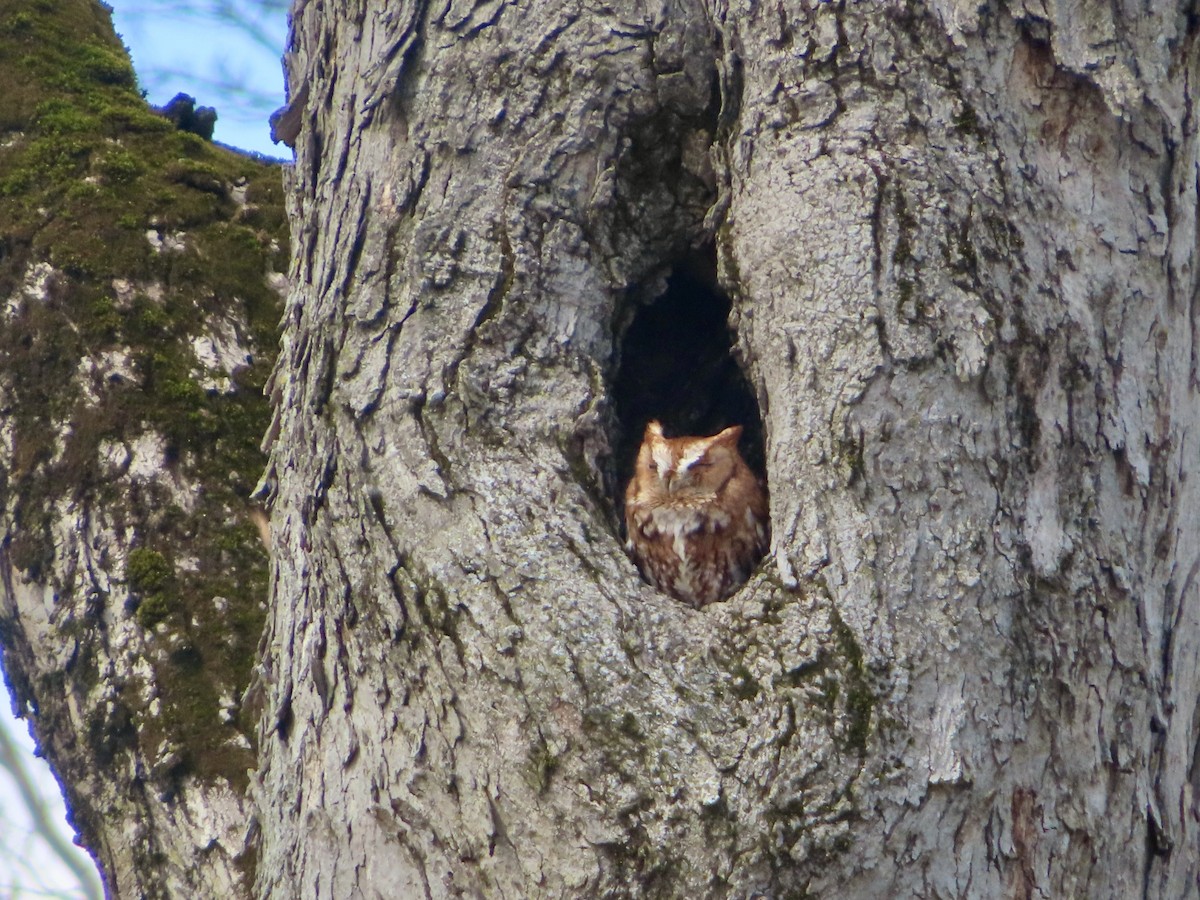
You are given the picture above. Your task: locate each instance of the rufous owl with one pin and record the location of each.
(695, 514)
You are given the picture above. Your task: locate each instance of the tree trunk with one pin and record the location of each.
(139, 321)
(958, 241)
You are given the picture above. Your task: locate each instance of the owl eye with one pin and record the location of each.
(653, 467)
(702, 464)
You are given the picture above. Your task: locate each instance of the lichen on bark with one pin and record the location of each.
(140, 323)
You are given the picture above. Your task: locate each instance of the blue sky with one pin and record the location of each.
(194, 47)
(28, 867)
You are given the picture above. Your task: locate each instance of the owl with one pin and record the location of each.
(695, 514)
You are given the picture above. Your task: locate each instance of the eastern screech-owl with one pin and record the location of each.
(696, 515)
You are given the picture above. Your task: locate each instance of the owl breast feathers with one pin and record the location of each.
(695, 514)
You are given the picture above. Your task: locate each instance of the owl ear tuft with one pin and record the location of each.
(654, 429)
(729, 436)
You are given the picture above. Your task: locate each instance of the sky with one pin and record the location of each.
(234, 66)
(28, 867)
(191, 46)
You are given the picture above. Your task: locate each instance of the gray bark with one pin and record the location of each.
(959, 242)
(960, 245)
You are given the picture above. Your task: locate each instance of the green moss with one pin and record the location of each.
(147, 570)
(619, 736)
(628, 725)
(64, 48)
(846, 642)
(83, 191)
(154, 608)
(239, 247)
(60, 117)
(744, 686)
(133, 120)
(908, 303)
(829, 689)
(542, 764)
(905, 225)
(103, 64)
(104, 321)
(86, 170)
(860, 703)
(120, 167)
(29, 553)
(849, 453)
(860, 699)
(193, 173)
(18, 25)
(151, 581)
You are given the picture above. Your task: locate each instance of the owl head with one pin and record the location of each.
(686, 467)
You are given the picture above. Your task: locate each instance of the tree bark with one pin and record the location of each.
(959, 244)
(140, 276)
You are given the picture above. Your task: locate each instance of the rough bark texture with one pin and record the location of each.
(139, 321)
(979, 307)
(959, 240)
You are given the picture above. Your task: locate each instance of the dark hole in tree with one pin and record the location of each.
(677, 366)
